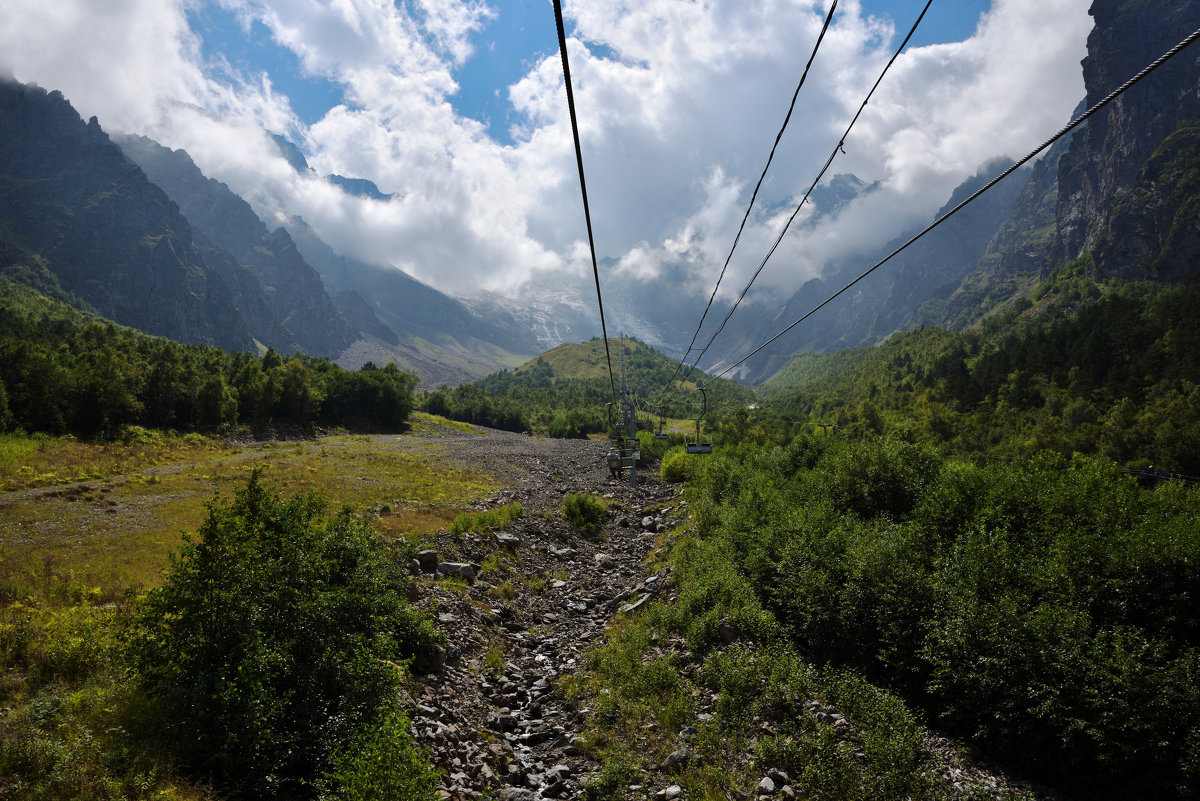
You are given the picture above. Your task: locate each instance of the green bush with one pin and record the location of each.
(488, 520)
(272, 645)
(1037, 606)
(380, 763)
(678, 465)
(584, 511)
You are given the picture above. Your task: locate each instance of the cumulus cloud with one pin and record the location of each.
(678, 104)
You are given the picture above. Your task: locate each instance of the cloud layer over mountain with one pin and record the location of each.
(678, 104)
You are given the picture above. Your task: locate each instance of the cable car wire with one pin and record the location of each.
(1065, 130)
(757, 186)
(839, 148)
(587, 214)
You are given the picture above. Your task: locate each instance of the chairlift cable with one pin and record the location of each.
(587, 214)
(1063, 132)
(754, 195)
(839, 148)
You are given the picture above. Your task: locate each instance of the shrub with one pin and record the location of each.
(678, 466)
(583, 511)
(488, 520)
(381, 762)
(272, 643)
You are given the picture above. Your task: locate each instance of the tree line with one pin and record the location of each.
(62, 372)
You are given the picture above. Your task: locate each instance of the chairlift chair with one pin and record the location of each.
(662, 421)
(699, 445)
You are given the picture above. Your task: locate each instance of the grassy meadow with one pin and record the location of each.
(85, 524)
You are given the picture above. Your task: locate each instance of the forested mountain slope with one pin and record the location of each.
(74, 208)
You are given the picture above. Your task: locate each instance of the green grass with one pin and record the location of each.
(425, 423)
(489, 520)
(71, 726)
(40, 460)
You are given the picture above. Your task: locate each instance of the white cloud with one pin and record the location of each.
(678, 103)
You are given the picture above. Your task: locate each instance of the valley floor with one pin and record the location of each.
(511, 712)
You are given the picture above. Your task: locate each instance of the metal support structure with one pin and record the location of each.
(625, 451)
(629, 409)
(699, 446)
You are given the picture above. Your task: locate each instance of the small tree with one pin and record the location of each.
(273, 643)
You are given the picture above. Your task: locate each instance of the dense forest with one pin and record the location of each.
(1107, 369)
(64, 371)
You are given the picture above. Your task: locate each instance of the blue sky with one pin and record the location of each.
(456, 109)
(521, 33)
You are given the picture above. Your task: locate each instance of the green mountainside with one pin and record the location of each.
(567, 391)
(72, 206)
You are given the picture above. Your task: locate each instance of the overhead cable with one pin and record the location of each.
(839, 148)
(587, 214)
(1067, 129)
(754, 195)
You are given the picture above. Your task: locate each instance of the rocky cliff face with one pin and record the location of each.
(1123, 183)
(71, 200)
(283, 297)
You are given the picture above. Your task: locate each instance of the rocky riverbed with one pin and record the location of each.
(494, 715)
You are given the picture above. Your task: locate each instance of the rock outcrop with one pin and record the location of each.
(1126, 184)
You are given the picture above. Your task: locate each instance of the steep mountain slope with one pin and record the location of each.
(1017, 258)
(433, 334)
(303, 317)
(71, 201)
(1118, 194)
(1127, 184)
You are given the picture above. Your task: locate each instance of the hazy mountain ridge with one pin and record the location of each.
(303, 316)
(137, 232)
(890, 300)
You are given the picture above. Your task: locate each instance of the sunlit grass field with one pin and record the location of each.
(83, 524)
